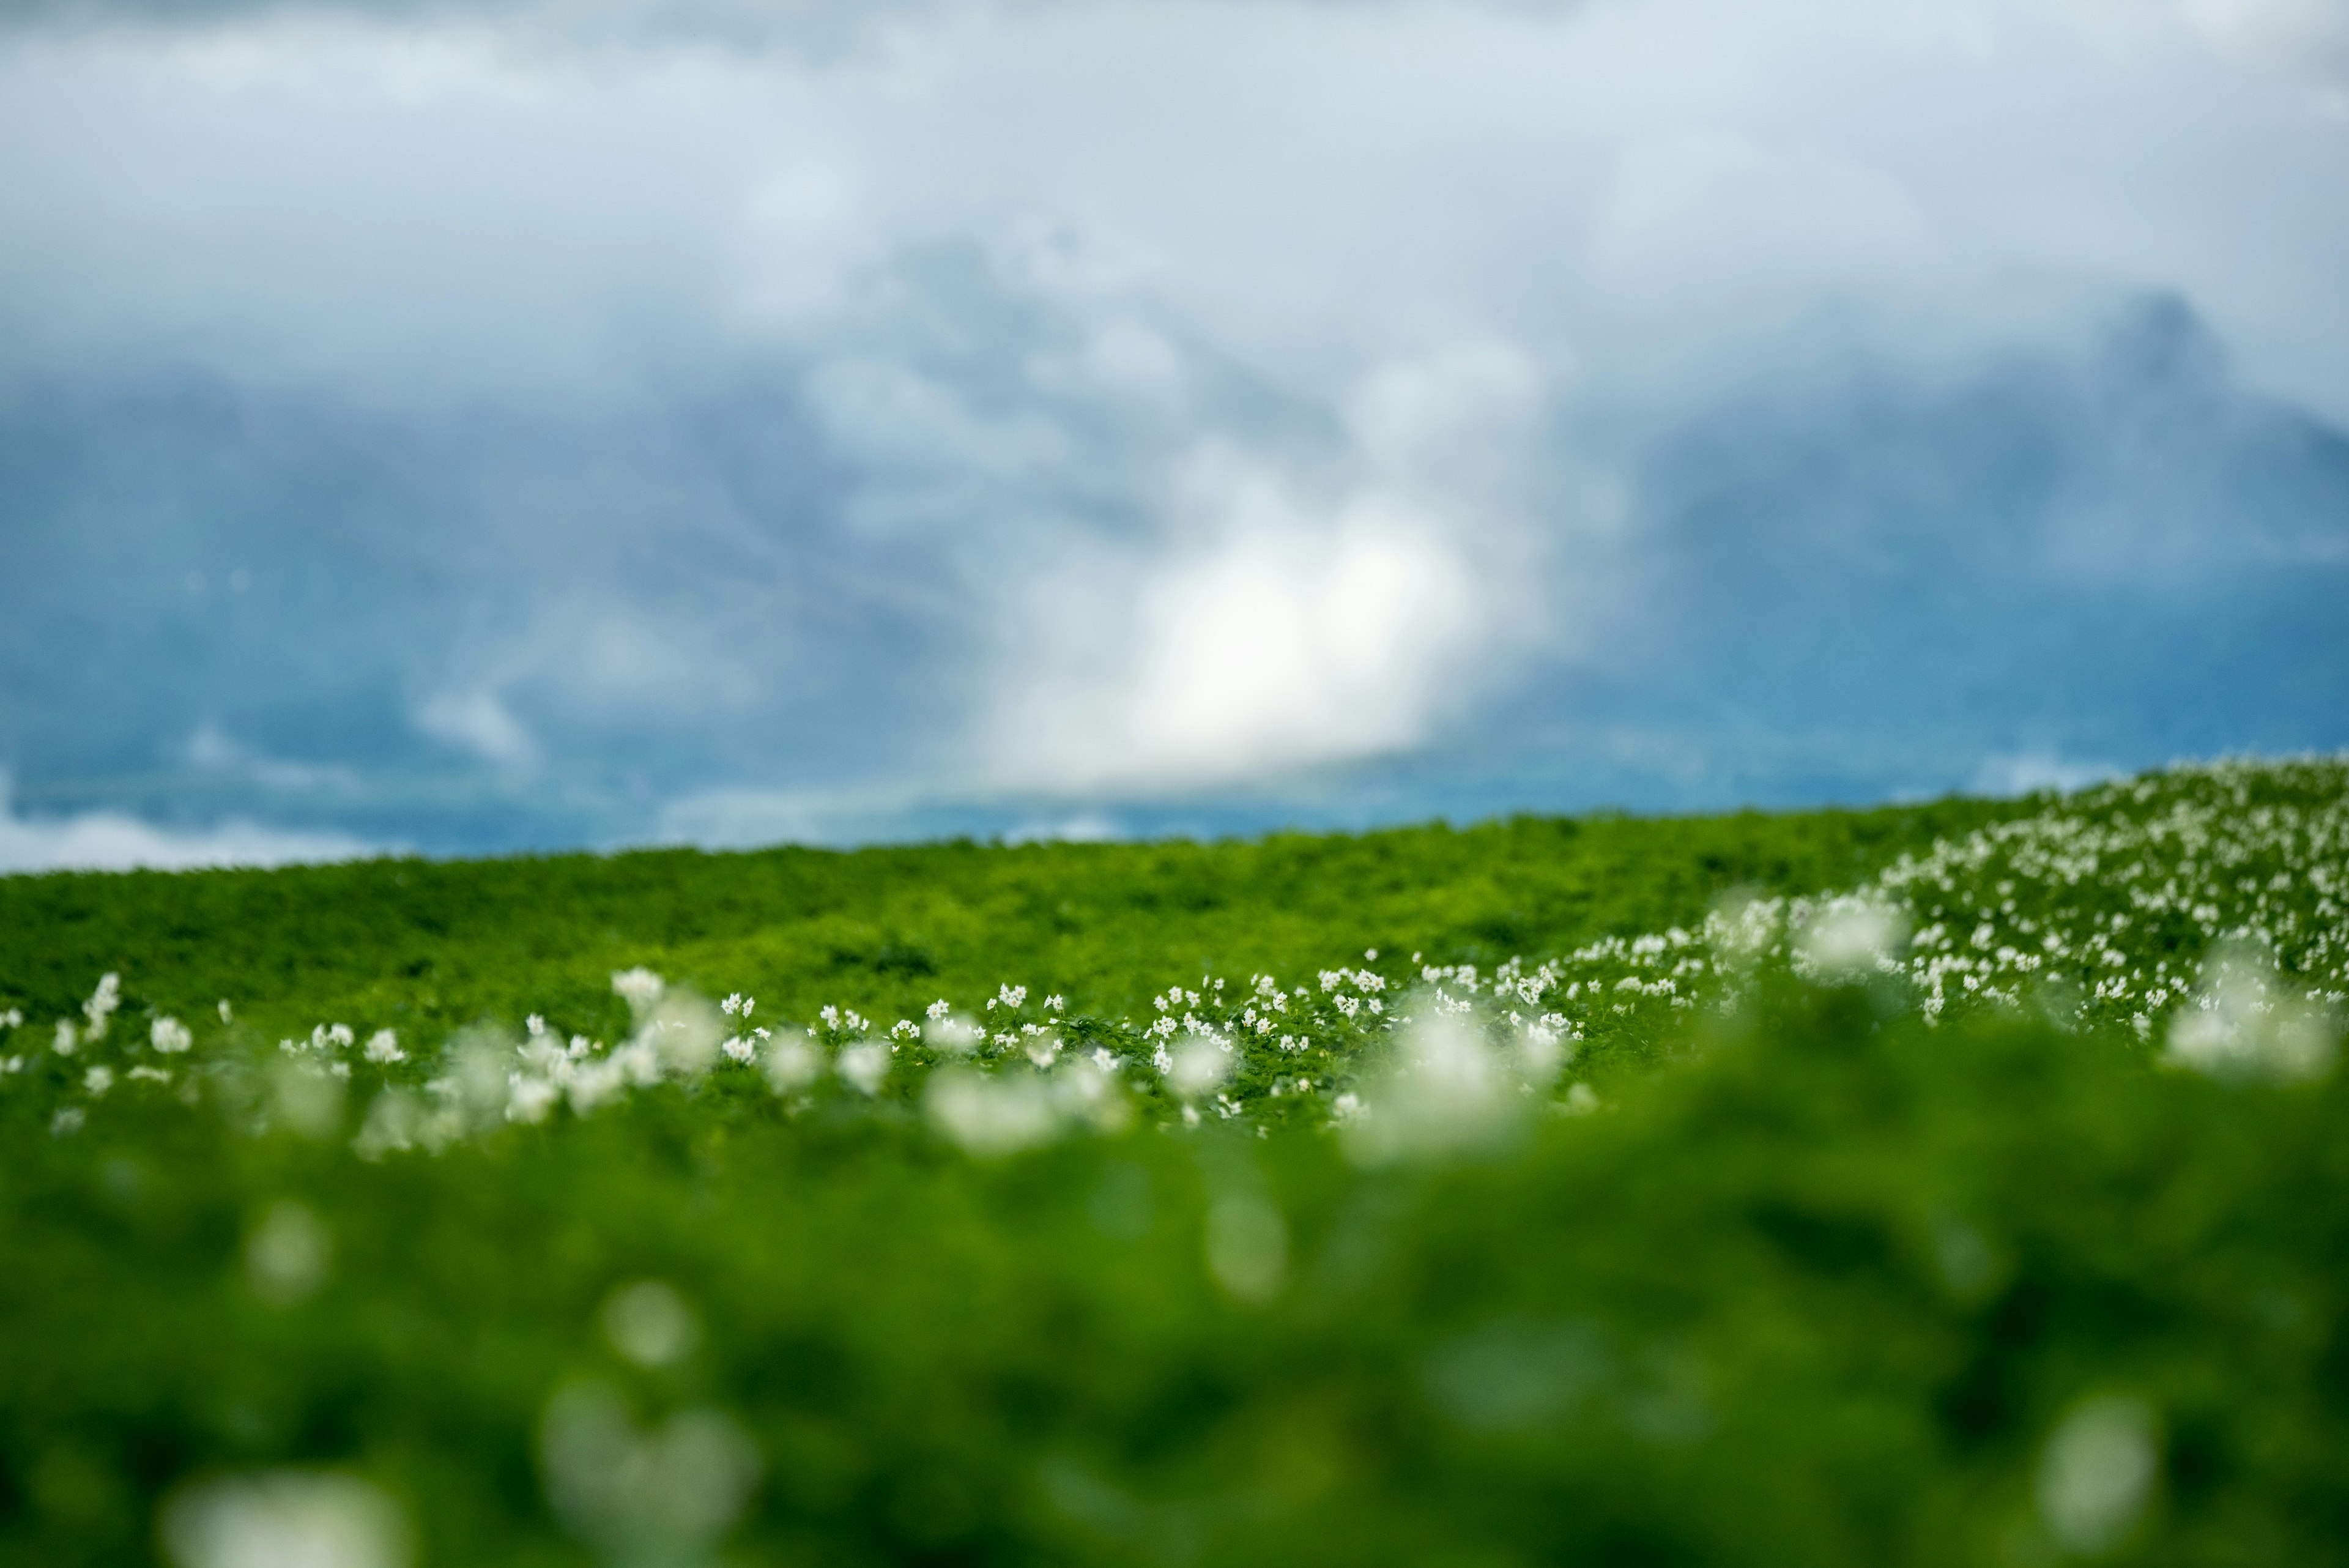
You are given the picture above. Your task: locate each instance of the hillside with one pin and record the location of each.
(1945, 1183)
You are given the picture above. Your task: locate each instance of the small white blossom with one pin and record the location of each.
(1197, 1067)
(862, 1066)
(950, 1033)
(529, 1098)
(103, 1004)
(639, 987)
(793, 1063)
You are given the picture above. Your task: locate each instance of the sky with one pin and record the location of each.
(471, 426)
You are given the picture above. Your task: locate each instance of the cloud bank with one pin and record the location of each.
(495, 425)
(112, 841)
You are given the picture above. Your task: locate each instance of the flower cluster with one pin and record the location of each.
(2197, 910)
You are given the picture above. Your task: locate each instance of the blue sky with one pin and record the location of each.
(470, 426)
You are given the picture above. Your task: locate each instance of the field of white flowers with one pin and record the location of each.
(2168, 909)
(1984, 1209)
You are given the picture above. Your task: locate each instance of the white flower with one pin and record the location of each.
(650, 1324)
(67, 1041)
(665, 1494)
(1850, 939)
(383, 1048)
(863, 1066)
(793, 1063)
(102, 1003)
(989, 1115)
(1446, 1091)
(529, 1098)
(2247, 1022)
(947, 1032)
(593, 1082)
(2096, 1472)
(168, 1035)
(1197, 1067)
(639, 987)
(284, 1518)
(98, 1080)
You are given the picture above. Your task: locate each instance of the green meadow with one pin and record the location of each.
(1962, 1182)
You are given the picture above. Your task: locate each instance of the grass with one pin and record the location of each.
(1826, 1188)
(433, 946)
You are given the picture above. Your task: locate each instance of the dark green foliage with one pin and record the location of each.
(426, 948)
(1817, 1294)
(1816, 1299)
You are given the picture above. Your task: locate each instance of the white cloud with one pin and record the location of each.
(1287, 645)
(2308, 38)
(1188, 499)
(1360, 177)
(1455, 419)
(749, 818)
(112, 841)
(478, 722)
(895, 417)
(2026, 773)
(213, 750)
(745, 818)
(1792, 222)
(1292, 617)
(1084, 827)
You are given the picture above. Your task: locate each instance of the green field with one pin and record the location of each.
(1965, 1182)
